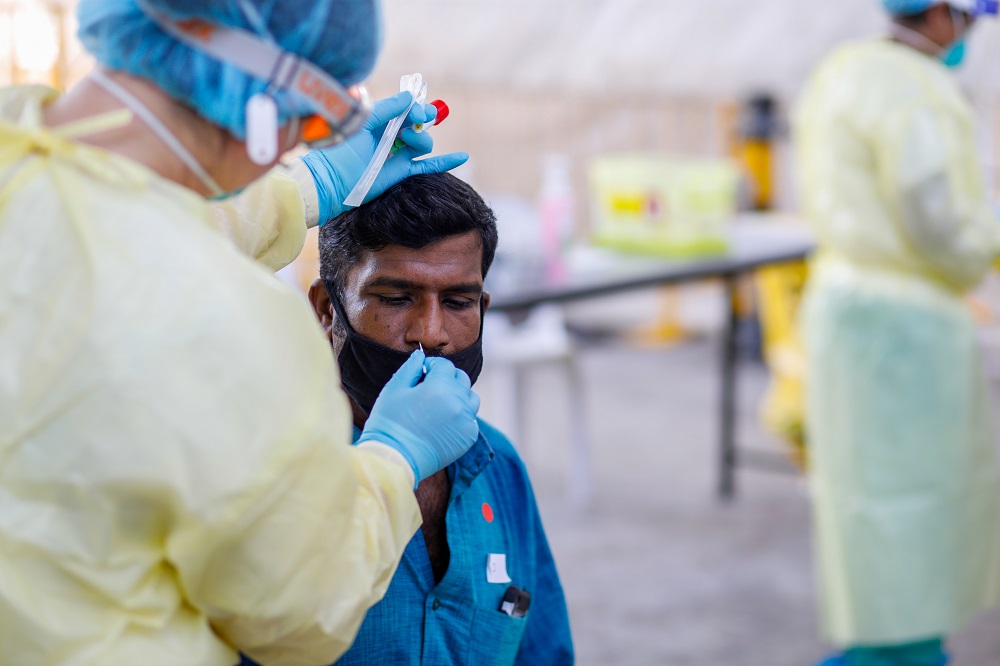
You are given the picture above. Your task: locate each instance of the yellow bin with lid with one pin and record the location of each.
(658, 205)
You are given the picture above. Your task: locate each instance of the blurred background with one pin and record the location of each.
(603, 129)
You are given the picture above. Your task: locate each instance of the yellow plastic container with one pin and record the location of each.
(659, 205)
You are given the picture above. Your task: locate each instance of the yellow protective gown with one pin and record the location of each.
(176, 479)
(266, 220)
(902, 449)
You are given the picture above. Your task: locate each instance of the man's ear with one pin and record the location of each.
(486, 301)
(323, 309)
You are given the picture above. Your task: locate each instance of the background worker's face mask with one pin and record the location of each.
(954, 56)
(366, 366)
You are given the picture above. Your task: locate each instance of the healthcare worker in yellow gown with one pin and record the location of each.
(902, 447)
(176, 479)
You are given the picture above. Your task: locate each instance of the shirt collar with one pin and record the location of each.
(465, 470)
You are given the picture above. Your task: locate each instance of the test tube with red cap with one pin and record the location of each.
(442, 113)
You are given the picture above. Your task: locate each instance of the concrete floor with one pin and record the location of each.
(658, 571)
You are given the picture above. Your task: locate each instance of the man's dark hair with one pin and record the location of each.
(414, 213)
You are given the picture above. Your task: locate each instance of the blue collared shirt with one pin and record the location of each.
(491, 510)
(459, 621)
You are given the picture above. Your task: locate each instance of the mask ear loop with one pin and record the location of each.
(257, 22)
(338, 307)
(294, 130)
(956, 18)
(159, 129)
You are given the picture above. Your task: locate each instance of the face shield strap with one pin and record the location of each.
(282, 70)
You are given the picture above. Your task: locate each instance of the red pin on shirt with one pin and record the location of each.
(487, 512)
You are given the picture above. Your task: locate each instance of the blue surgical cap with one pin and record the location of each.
(342, 37)
(974, 7)
(908, 7)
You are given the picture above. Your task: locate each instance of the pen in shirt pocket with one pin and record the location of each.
(515, 602)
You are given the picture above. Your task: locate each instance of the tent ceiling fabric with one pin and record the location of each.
(701, 48)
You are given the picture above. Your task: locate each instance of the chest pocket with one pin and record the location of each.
(496, 638)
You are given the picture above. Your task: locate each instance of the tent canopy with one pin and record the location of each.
(703, 48)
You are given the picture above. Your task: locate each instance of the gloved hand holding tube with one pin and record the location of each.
(429, 418)
(336, 170)
(432, 121)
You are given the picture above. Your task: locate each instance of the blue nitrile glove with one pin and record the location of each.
(338, 169)
(431, 422)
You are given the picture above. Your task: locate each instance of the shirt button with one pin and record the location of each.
(436, 604)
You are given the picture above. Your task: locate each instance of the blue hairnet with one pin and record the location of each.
(907, 7)
(342, 37)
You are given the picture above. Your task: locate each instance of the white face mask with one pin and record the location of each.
(161, 131)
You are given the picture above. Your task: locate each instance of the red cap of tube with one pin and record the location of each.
(442, 110)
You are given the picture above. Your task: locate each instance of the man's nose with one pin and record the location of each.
(427, 327)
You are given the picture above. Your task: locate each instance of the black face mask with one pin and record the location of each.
(366, 366)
